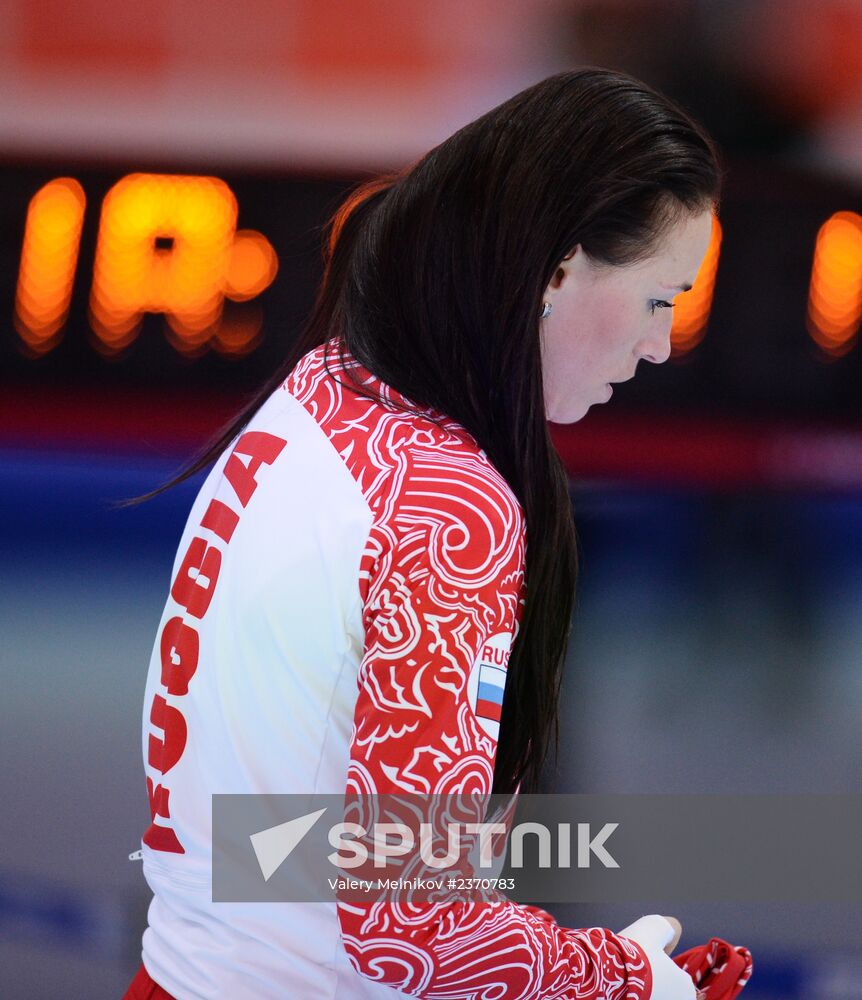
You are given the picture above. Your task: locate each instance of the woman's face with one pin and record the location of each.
(605, 319)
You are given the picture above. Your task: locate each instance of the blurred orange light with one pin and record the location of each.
(164, 245)
(835, 290)
(252, 266)
(692, 308)
(49, 256)
(238, 335)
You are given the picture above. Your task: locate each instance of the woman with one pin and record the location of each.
(387, 510)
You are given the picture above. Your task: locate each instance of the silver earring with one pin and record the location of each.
(546, 311)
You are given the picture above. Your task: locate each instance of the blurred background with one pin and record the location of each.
(718, 637)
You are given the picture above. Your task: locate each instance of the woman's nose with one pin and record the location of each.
(657, 359)
(655, 350)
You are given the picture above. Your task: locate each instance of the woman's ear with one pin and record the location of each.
(559, 274)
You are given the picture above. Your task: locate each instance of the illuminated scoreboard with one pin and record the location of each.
(117, 277)
(99, 269)
(835, 291)
(166, 244)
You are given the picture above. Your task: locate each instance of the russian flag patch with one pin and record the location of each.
(487, 682)
(489, 697)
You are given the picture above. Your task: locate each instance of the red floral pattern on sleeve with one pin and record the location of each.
(443, 583)
(443, 591)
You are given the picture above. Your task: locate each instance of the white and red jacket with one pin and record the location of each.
(341, 610)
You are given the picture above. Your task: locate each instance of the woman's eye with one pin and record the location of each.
(659, 304)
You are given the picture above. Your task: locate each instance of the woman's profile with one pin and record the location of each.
(387, 510)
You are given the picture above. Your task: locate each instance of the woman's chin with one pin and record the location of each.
(571, 413)
(574, 407)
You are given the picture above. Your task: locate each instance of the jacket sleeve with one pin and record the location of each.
(443, 594)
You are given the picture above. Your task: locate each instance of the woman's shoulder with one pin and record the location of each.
(331, 374)
(402, 454)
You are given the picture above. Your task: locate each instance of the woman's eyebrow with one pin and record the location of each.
(680, 288)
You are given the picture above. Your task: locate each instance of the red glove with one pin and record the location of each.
(719, 970)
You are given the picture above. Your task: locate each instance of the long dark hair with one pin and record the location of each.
(434, 276)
